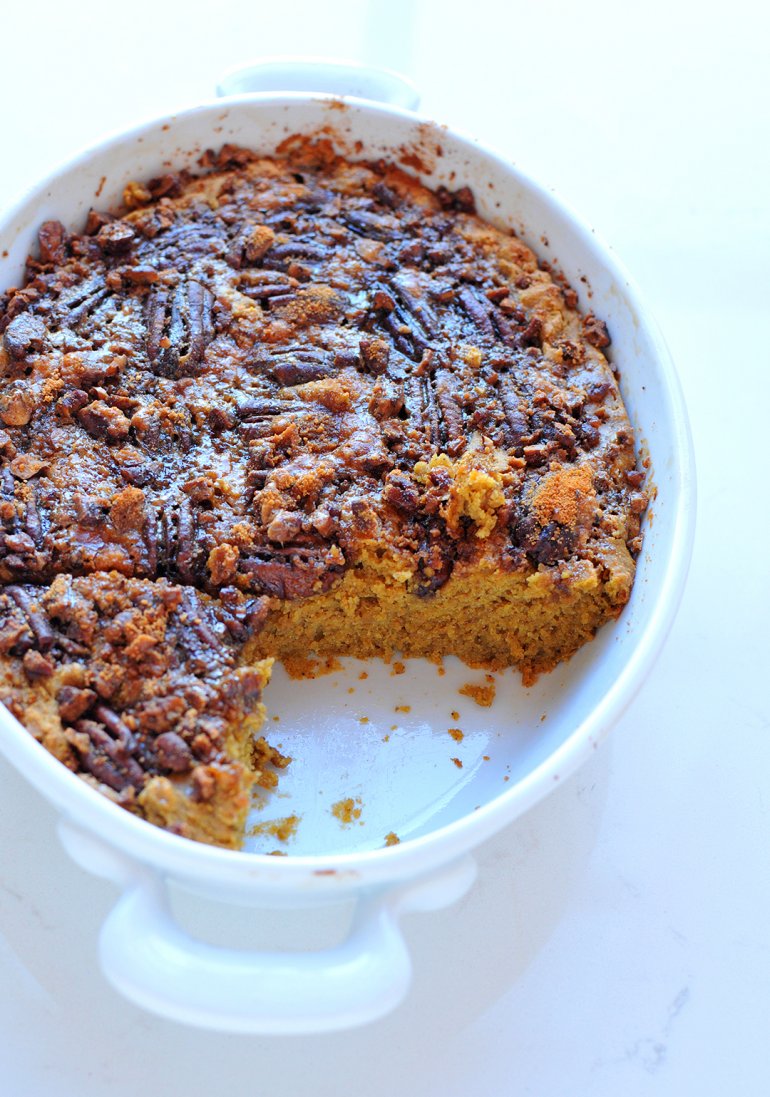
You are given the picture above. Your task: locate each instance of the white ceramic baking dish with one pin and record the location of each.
(380, 740)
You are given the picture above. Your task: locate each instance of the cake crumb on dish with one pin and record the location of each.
(482, 694)
(282, 829)
(347, 810)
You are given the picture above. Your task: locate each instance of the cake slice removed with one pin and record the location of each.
(137, 687)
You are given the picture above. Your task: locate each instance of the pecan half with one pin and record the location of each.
(179, 328)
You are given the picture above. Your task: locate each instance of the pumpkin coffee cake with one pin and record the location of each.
(283, 406)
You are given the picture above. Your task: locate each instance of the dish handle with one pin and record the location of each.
(155, 963)
(316, 74)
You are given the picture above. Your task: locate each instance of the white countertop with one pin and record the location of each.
(618, 938)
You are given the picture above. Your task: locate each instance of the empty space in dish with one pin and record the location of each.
(408, 748)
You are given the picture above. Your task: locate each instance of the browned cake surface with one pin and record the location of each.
(315, 390)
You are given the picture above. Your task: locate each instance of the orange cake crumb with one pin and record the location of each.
(483, 695)
(347, 810)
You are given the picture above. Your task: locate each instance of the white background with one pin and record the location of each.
(618, 940)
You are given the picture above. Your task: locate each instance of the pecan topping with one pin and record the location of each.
(301, 368)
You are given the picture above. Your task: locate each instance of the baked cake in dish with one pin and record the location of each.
(283, 406)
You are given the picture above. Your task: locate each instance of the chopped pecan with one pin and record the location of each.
(297, 249)
(461, 199)
(595, 331)
(435, 561)
(364, 223)
(544, 545)
(103, 421)
(74, 702)
(242, 616)
(375, 354)
(292, 572)
(173, 752)
(257, 407)
(53, 238)
(401, 492)
(32, 522)
(25, 466)
(385, 195)
(95, 220)
(196, 618)
(284, 526)
(29, 604)
(140, 275)
(387, 398)
(223, 563)
(7, 448)
(257, 243)
(17, 405)
(116, 237)
(168, 185)
(20, 543)
(300, 369)
(36, 665)
(25, 333)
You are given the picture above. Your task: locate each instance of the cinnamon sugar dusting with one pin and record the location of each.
(559, 497)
